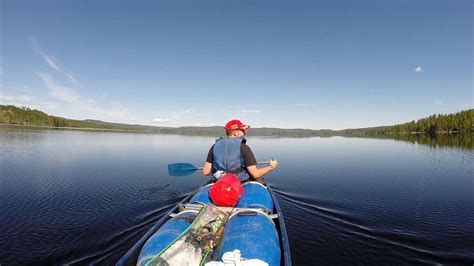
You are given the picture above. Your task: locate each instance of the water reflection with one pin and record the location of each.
(86, 197)
(441, 140)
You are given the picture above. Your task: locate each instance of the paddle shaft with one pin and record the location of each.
(183, 169)
(259, 163)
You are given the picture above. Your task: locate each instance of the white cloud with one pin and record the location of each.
(63, 93)
(23, 99)
(49, 61)
(77, 106)
(161, 120)
(77, 103)
(28, 101)
(15, 96)
(439, 103)
(418, 69)
(70, 77)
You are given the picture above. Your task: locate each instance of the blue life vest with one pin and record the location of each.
(227, 157)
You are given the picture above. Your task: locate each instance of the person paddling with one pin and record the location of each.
(231, 154)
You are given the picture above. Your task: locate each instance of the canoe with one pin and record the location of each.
(255, 228)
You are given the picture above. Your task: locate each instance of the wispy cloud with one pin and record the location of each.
(70, 77)
(161, 120)
(15, 96)
(69, 98)
(27, 100)
(50, 62)
(23, 89)
(16, 99)
(76, 102)
(62, 93)
(418, 69)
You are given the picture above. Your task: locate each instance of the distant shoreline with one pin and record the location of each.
(449, 124)
(77, 128)
(184, 133)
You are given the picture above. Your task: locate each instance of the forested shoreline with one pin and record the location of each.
(456, 123)
(460, 122)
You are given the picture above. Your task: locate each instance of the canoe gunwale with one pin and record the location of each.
(133, 253)
(281, 222)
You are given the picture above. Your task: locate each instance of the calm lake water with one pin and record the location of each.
(86, 197)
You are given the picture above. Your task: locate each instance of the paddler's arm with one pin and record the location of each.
(259, 172)
(206, 169)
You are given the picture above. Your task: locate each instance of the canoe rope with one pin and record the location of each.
(223, 226)
(204, 258)
(179, 237)
(185, 231)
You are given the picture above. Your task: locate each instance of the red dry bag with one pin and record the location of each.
(227, 191)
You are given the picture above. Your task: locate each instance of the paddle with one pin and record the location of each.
(184, 169)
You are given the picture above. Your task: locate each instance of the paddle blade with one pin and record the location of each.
(181, 169)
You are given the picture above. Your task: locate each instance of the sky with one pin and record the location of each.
(289, 64)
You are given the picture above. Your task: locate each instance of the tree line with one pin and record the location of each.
(460, 122)
(25, 116)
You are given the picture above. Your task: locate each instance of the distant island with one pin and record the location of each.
(458, 123)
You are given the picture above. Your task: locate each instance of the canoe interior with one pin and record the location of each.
(131, 257)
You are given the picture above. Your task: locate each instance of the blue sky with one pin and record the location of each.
(290, 64)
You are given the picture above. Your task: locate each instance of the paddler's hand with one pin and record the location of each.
(273, 163)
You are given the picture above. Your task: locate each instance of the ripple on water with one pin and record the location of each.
(314, 215)
(86, 197)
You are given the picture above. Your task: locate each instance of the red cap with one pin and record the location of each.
(236, 124)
